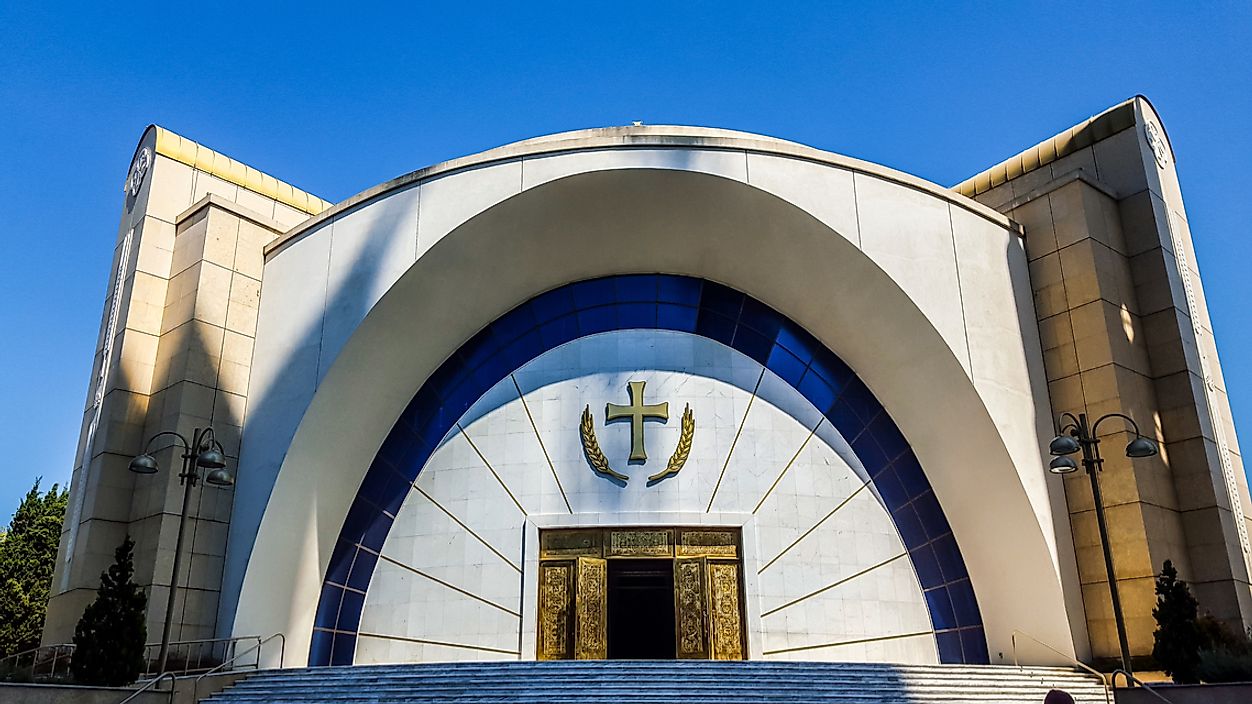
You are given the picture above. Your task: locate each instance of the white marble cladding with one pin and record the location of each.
(826, 576)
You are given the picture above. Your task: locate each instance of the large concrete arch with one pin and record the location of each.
(948, 398)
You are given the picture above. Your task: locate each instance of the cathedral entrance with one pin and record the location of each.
(640, 593)
(641, 610)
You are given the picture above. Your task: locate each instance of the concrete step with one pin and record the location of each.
(642, 682)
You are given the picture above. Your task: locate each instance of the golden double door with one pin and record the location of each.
(574, 589)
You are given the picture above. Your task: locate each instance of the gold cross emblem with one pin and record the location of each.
(637, 412)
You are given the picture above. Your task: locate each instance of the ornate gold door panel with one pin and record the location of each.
(724, 610)
(591, 640)
(556, 595)
(574, 584)
(690, 608)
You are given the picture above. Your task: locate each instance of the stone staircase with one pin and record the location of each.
(660, 682)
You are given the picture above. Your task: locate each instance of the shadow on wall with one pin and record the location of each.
(303, 367)
(188, 397)
(1017, 265)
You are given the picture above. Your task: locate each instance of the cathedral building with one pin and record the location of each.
(663, 392)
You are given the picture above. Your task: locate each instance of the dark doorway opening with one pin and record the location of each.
(641, 610)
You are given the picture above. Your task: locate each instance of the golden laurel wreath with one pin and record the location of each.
(600, 463)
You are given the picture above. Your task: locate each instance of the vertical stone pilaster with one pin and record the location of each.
(174, 353)
(1116, 307)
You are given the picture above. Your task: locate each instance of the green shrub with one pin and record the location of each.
(28, 552)
(1222, 664)
(1177, 640)
(110, 635)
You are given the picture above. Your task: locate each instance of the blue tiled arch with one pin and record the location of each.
(661, 302)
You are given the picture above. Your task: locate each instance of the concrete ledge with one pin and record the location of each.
(1236, 693)
(76, 694)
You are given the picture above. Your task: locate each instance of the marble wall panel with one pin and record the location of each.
(826, 565)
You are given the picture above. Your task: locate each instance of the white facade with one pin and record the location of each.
(321, 341)
(455, 564)
(923, 293)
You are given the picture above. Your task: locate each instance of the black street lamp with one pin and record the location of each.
(202, 452)
(1077, 435)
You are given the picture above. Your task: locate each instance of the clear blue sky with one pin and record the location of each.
(335, 99)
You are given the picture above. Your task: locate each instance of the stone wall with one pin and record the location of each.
(1106, 238)
(174, 354)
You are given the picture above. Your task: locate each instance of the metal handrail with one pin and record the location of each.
(231, 645)
(1131, 678)
(151, 683)
(15, 656)
(282, 653)
(58, 650)
(1071, 658)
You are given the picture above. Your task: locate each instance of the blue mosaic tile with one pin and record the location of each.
(890, 488)
(832, 370)
(870, 454)
(860, 399)
(559, 331)
(595, 320)
(910, 526)
(715, 327)
(376, 533)
(362, 570)
(817, 391)
(964, 606)
(937, 600)
(721, 300)
(949, 557)
(553, 304)
(676, 317)
(319, 647)
(357, 521)
(679, 289)
(635, 288)
(594, 292)
(796, 341)
(328, 604)
(637, 315)
(933, 520)
(974, 646)
(888, 436)
(786, 365)
(671, 303)
(761, 318)
(909, 471)
(927, 567)
(343, 649)
(350, 610)
(949, 644)
(479, 347)
(752, 343)
(340, 564)
(848, 423)
(517, 323)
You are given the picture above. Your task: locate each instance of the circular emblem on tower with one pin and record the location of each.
(138, 169)
(1156, 142)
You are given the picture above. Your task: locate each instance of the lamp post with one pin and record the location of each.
(202, 452)
(1077, 434)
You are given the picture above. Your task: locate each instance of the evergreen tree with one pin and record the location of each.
(28, 551)
(110, 636)
(1178, 640)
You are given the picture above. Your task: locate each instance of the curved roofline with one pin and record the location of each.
(643, 136)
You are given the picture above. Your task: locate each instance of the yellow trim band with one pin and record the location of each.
(1090, 131)
(200, 157)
